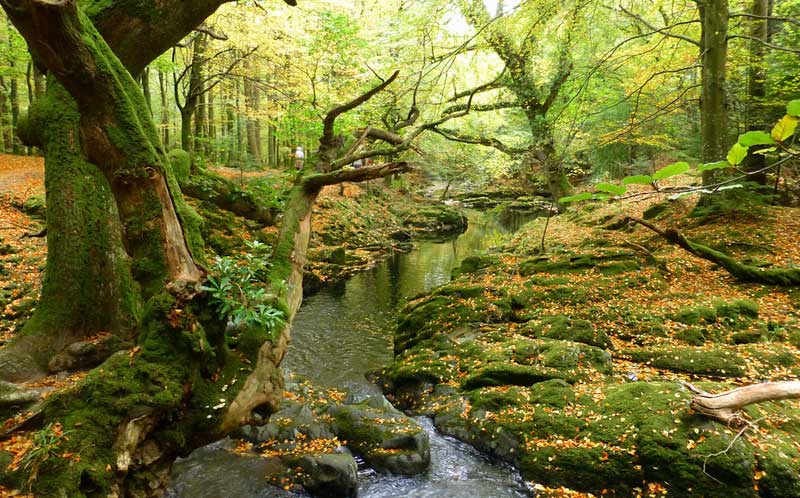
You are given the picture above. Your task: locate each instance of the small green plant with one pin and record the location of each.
(238, 292)
(45, 446)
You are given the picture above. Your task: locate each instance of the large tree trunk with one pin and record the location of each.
(713, 98)
(88, 287)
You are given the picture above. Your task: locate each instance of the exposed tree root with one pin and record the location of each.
(740, 271)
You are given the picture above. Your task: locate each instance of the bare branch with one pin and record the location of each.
(316, 182)
(791, 20)
(666, 30)
(213, 34)
(766, 43)
(330, 119)
(480, 140)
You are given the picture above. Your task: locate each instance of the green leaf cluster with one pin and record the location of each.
(238, 292)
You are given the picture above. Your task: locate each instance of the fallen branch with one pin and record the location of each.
(740, 271)
(725, 407)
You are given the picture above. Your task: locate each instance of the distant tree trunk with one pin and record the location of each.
(38, 83)
(241, 125)
(713, 100)
(211, 127)
(5, 123)
(756, 85)
(251, 98)
(148, 98)
(13, 96)
(165, 119)
(200, 143)
(194, 92)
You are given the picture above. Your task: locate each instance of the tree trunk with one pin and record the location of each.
(211, 128)
(165, 119)
(5, 124)
(251, 98)
(88, 287)
(756, 86)
(713, 99)
(38, 83)
(148, 98)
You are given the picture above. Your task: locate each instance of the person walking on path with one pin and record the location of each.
(299, 158)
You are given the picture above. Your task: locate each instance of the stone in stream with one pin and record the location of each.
(305, 443)
(388, 440)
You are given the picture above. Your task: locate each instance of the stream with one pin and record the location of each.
(338, 336)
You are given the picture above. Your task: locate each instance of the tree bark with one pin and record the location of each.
(725, 407)
(165, 119)
(756, 85)
(713, 99)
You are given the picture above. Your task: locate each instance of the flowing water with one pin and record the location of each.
(339, 335)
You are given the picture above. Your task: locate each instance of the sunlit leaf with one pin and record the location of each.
(716, 165)
(737, 154)
(784, 128)
(793, 108)
(671, 170)
(576, 198)
(752, 138)
(611, 188)
(637, 180)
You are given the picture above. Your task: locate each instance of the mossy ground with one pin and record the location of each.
(572, 370)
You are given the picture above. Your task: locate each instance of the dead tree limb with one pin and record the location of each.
(744, 273)
(725, 407)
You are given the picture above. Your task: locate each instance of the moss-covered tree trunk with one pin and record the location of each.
(88, 287)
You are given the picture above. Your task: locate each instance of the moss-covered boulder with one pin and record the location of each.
(564, 328)
(387, 440)
(473, 264)
(717, 362)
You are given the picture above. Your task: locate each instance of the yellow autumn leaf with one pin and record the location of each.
(785, 128)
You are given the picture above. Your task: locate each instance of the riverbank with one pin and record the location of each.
(571, 363)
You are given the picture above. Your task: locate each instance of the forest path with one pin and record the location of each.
(21, 176)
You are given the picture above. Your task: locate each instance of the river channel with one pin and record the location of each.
(339, 335)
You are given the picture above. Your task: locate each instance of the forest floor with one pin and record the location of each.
(570, 363)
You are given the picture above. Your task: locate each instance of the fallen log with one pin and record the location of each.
(725, 407)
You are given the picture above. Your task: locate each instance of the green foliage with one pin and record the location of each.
(637, 180)
(793, 108)
(45, 445)
(755, 138)
(671, 170)
(238, 292)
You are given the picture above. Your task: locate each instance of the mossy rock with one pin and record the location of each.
(564, 355)
(692, 336)
(554, 392)
(473, 264)
(511, 374)
(181, 164)
(337, 256)
(387, 440)
(34, 207)
(794, 338)
(419, 366)
(564, 328)
(696, 315)
(715, 362)
(749, 337)
(655, 211)
(612, 263)
(496, 398)
(737, 313)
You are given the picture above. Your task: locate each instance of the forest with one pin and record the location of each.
(449, 248)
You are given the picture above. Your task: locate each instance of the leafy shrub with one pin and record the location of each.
(238, 291)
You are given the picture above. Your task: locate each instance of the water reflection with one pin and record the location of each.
(344, 332)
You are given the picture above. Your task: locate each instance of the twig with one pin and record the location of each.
(750, 425)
